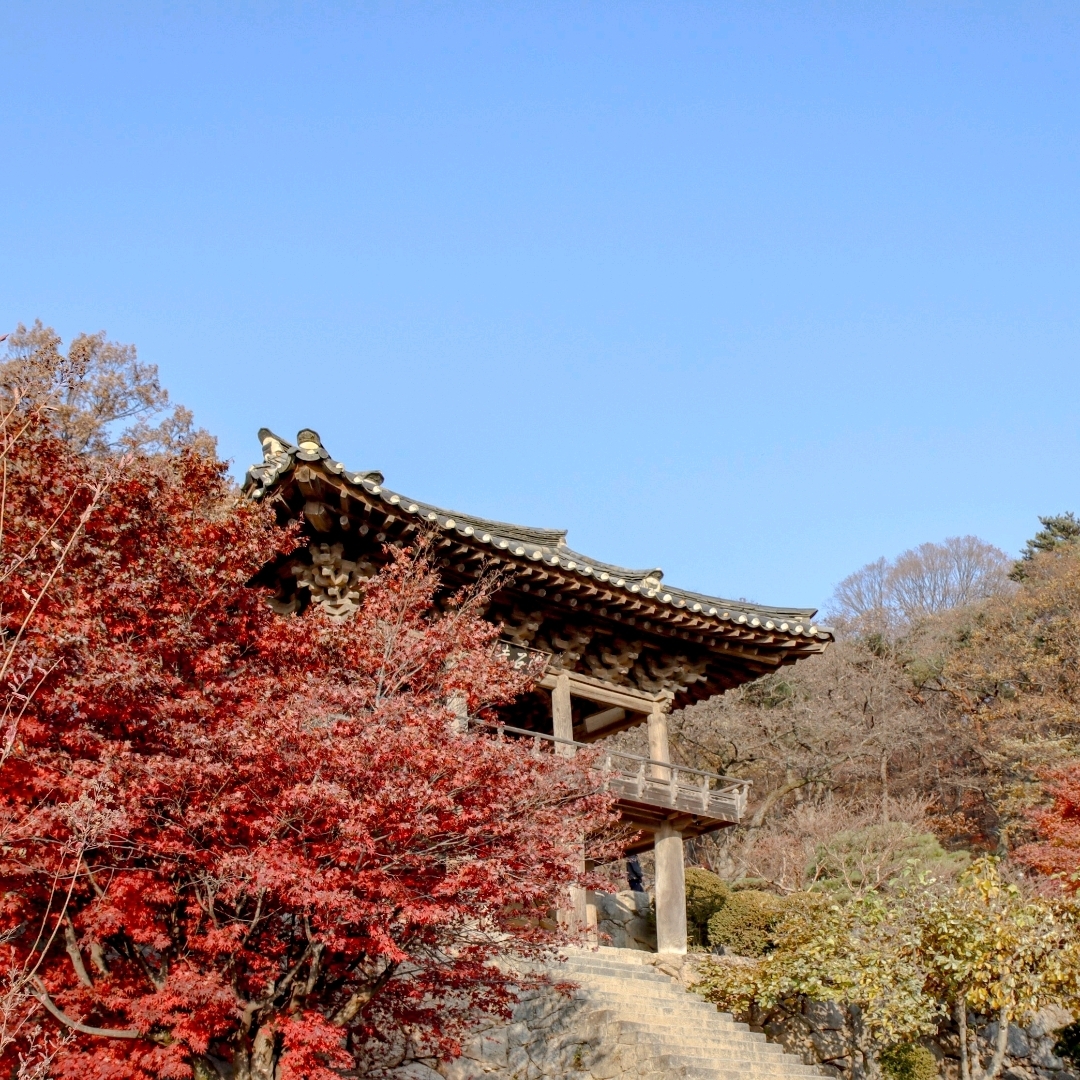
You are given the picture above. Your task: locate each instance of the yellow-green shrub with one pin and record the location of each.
(909, 1061)
(746, 922)
(706, 894)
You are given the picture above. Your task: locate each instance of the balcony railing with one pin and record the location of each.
(653, 783)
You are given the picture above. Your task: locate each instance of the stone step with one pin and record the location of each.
(670, 1065)
(689, 1056)
(640, 984)
(704, 1047)
(701, 1012)
(587, 962)
(637, 979)
(677, 1065)
(620, 991)
(700, 1058)
(672, 1027)
(673, 1020)
(674, 1013)
(649, 1026)
(669, 1013)
(611, 956)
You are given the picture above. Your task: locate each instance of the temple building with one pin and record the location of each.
(620, 646)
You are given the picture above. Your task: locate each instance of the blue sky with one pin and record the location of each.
(753, 292)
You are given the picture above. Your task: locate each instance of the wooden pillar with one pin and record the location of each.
(561, 715)
(670, 890)
(658, 738)
(575, 916)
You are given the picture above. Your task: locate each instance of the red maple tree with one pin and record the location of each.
(238, 844)
(1057, 852)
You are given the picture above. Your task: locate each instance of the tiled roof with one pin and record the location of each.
(540, 546)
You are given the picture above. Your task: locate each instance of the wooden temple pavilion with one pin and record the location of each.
(622, 648)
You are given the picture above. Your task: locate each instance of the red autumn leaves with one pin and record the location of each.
(234, 840)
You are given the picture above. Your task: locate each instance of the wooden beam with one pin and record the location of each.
(318, 516)
(594, 690)
(604, 719)
(309, 482)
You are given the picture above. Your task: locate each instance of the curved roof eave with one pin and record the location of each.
(538, 545)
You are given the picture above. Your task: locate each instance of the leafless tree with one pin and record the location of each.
(101, 399)
(888, 598)
(840, 839)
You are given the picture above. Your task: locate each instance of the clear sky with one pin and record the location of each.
(753, 292)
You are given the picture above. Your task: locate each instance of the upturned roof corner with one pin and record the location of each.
(602, 620)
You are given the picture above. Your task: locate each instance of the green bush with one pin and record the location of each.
(856, 860)
(706, 894)
(909, 1061)
(745, 924)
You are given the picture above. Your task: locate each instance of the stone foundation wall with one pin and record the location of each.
(625, 920)
(821, 1032)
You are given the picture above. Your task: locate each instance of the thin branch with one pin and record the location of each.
(74, 952)
(106, 1033)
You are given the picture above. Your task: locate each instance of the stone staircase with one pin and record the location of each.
(625, 1019)
(644, 1023)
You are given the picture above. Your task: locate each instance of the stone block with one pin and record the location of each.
(1042, 1053)
(519, 1034)
(461, 1069)
(829, 1045)
(1017, 1044)
(1016, 1072)
(824, 1015)
(1049, 1020)
(414, 1070)
(493, 1047)
(605, 1069)
(517, 1060)
(641, 934)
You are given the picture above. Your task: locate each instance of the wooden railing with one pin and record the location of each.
(650, 782)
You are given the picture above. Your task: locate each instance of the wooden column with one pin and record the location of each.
(658, 738)
(561, 714)
(670, 891)
(575, 916)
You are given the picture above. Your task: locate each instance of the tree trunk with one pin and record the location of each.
(960, 1011)
(884, 788)
(999, 1044)
(869, 1069)
(262, 1055)
(202, 1069)
(772, 799)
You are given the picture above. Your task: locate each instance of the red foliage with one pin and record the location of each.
(1058, 851)
(232, 836)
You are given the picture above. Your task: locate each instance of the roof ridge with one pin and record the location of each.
(549, 545)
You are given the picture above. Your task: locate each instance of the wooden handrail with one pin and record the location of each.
(658, 783)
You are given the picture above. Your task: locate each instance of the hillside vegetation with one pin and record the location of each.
(913, 847)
